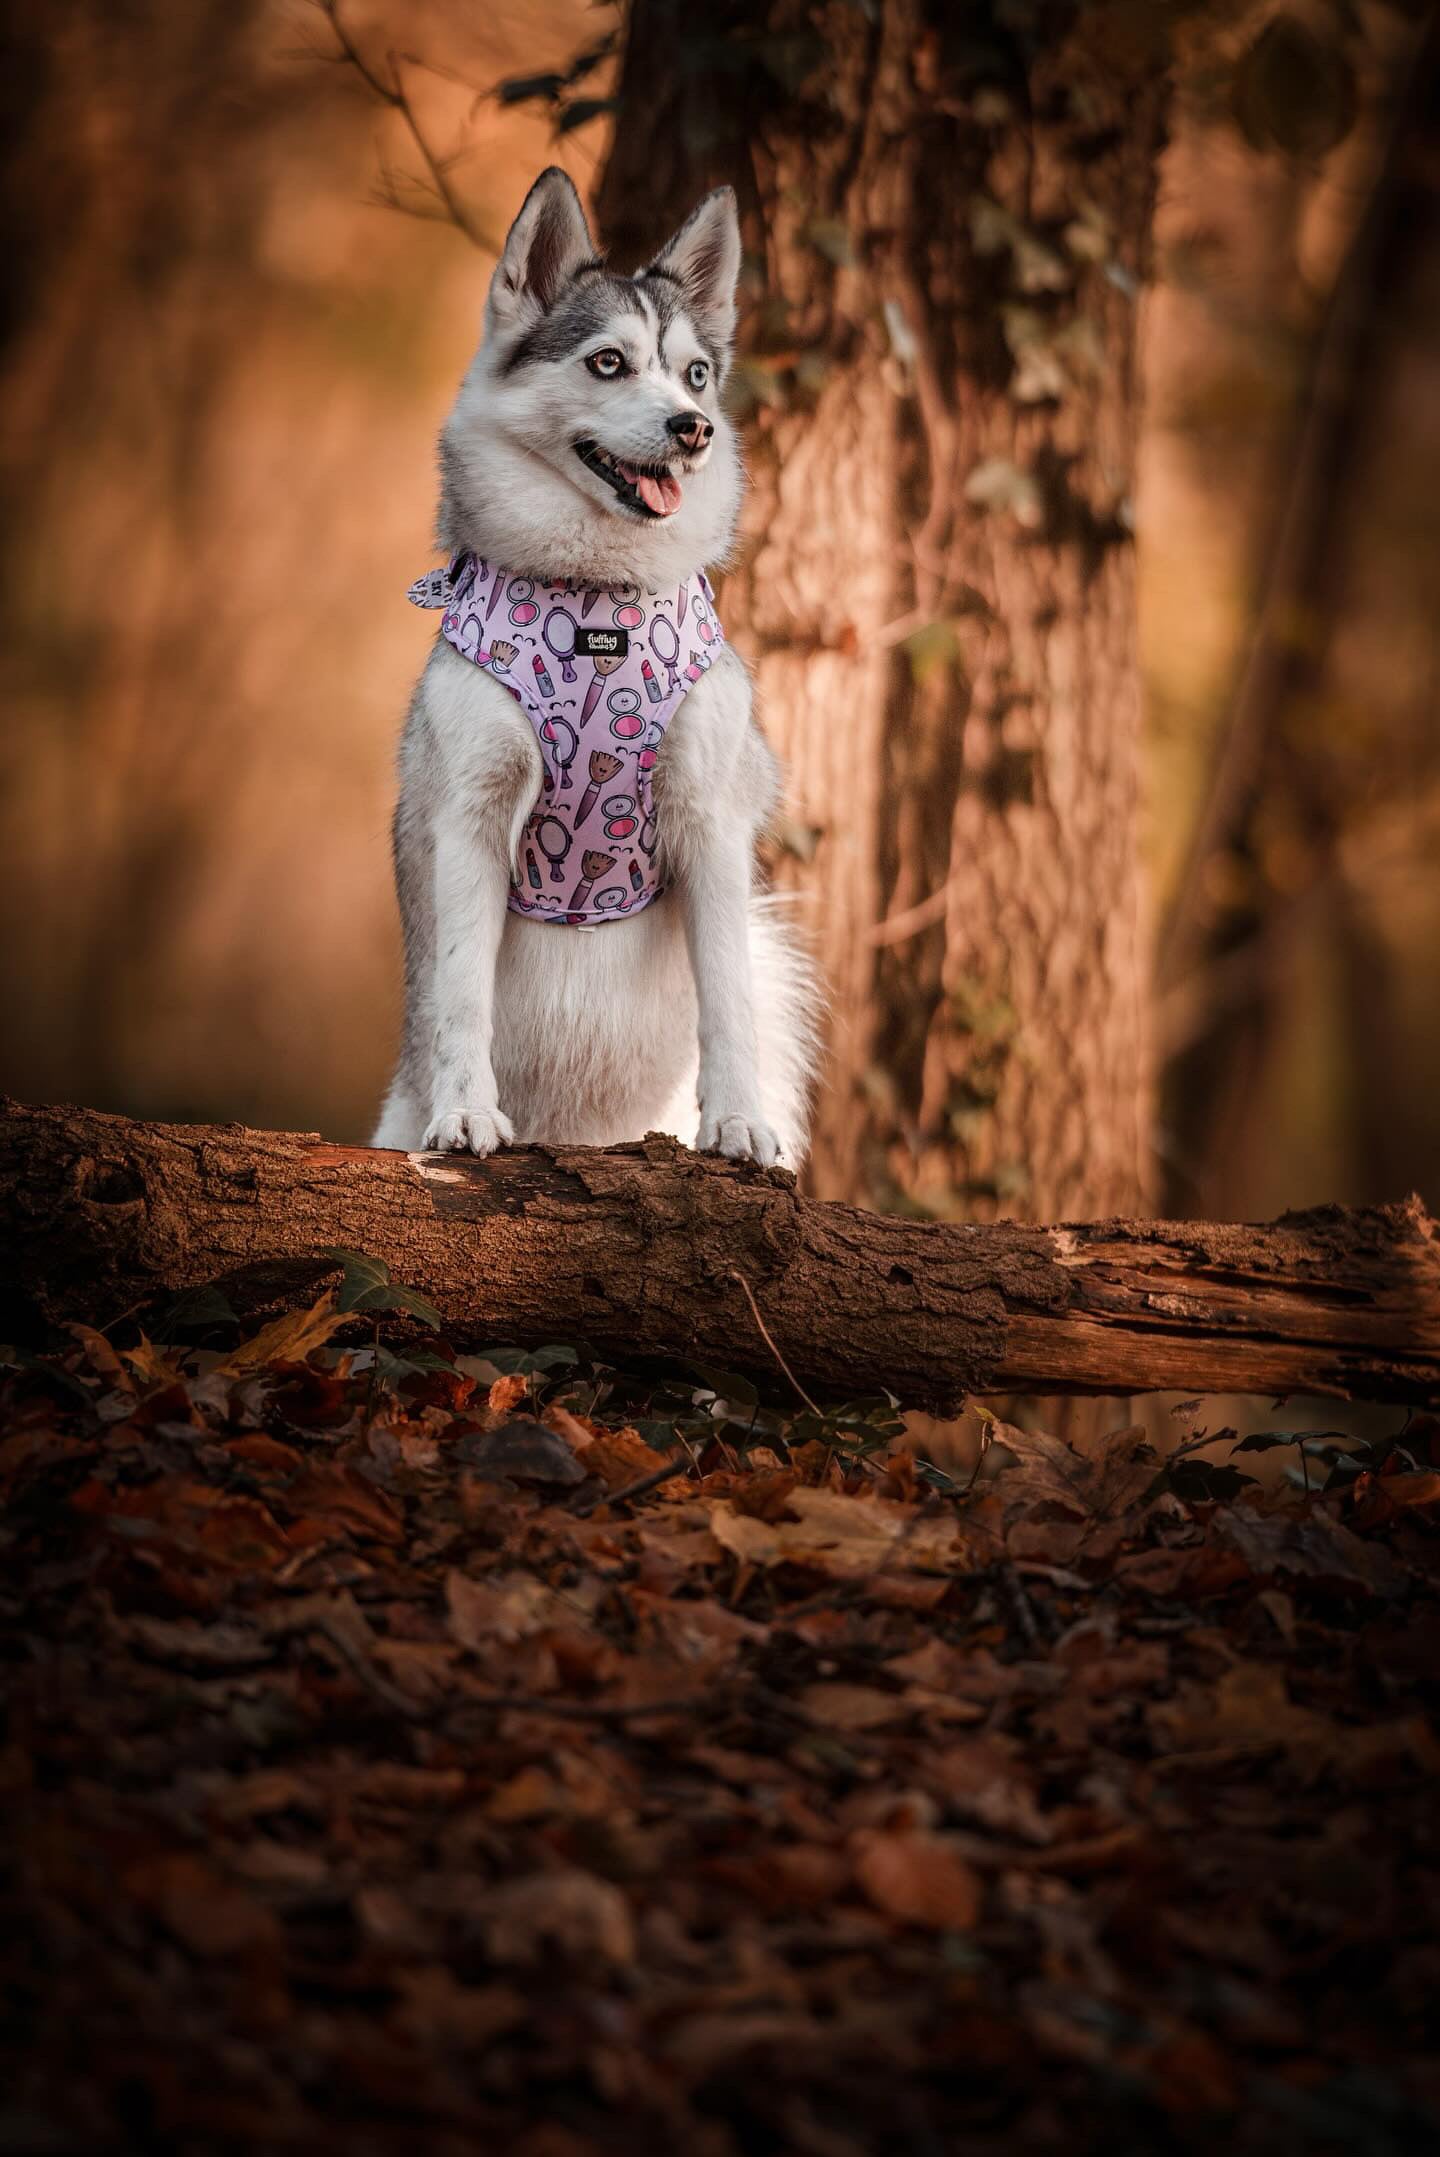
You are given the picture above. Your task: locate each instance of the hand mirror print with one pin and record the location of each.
(554, 840)
(564, 740)
(665, 644)
(559, 635)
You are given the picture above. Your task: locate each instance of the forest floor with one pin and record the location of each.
(382, 1773)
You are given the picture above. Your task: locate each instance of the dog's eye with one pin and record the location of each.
(697, 374)
(606, 364)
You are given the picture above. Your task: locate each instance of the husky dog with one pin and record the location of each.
(587, 452)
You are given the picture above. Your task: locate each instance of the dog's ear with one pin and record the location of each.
(704, 259)
(548, 240)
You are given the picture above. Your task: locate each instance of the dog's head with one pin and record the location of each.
(588, 442)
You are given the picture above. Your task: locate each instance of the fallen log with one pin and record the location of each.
(649, 1250)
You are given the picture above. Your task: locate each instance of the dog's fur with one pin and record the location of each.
(524, 1030)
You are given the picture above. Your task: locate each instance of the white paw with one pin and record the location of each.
(739, 1138)
(468, 1130)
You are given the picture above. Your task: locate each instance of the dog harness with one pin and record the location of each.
(599, 673)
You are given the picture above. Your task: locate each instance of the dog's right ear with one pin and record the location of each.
(548, 240)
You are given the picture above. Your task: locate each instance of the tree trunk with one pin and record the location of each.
(937, 584)
(650, 1251)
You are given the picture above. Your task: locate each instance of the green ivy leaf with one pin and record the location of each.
(195, 1307)
(365, 1285)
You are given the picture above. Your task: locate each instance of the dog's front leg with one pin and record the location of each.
(471, 884)
(716, 888)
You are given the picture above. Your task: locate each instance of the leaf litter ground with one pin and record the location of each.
(410, 1752)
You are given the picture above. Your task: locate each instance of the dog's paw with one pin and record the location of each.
(468, 1130)
(739, 1137)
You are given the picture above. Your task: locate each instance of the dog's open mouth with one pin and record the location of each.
(653, 490)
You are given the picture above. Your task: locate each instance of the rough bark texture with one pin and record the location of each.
(948, 215)
(649, 1250)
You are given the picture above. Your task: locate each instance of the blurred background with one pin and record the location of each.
(1056, 318)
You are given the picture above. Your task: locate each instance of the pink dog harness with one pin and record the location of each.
(599, 674)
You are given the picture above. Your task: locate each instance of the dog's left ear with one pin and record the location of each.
(704, 258)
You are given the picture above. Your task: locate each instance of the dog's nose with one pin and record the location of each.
(692, 428)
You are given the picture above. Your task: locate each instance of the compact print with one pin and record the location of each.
(582, 780)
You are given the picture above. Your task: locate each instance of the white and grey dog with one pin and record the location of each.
(588, 452)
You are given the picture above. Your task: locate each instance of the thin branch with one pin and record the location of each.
(637, 1489)
(393, 95)
(897, 928)
(736, 1275)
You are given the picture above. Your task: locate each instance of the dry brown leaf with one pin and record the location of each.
(507, 1393)
(209, 1914)
(917, 1878)
(287, 1339)
(347, 1502)
(500, 1607)
(1105, 1482)
(621, 1457)
(530, 1794)
(1420, 1488)
(570, 1913)
(835, 1705)
(842, 1536)
(152, 1364)
(1248, 1710)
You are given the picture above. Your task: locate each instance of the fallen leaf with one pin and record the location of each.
(288, 1339)
(917, 1878)
(507, 1393)
(522, 1451)
(346, 1501)
(207, 1913)
(501, 1607)
(566, 1913)
(621, 1457)
(835, 1705)
(843, 1536)
(1309, 1546)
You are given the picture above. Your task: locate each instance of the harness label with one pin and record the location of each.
(602, 643)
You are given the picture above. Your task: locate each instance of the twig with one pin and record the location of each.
(393, 94)
(589, 1711)
(637, 1489)
(736, 1275)
(1020, 1605)
(923, 915)
(364, 1670)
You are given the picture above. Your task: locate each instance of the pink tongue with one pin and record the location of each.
(660, 495)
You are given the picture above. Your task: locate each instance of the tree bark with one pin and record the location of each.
(948, 216)
(651, 1251)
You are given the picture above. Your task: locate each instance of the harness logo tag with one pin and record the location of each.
(602, 643)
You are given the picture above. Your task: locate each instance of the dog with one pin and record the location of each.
(587, 958)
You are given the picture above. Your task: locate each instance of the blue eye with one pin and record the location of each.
(697, 374)
(607, 364)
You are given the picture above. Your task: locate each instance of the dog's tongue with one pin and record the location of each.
(662, 496)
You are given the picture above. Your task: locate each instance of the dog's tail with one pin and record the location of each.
(789, 1016)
